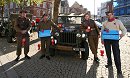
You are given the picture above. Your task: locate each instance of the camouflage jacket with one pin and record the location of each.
(22, 24)
(94, 29)
(47, 25)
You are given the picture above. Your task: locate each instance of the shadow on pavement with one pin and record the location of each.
(6, 47)
(110, 72)
(59, 66)
(93, 70)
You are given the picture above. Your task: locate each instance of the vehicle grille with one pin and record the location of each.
(67, 37)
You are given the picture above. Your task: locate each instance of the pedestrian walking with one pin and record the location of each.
(93, 34)
(116, 25)
(22, 26)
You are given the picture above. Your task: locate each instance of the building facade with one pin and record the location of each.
(64, 7)
(122, 7)
(103, 9)
(77, 8)
(106, 6)
(122, 11)
(36, 9)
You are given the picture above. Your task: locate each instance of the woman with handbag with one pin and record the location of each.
(44, 27)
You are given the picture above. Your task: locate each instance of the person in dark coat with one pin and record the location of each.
(45, 24)
(22, 26)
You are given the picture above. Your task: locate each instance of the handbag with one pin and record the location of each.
(111, 35)
(44, 33)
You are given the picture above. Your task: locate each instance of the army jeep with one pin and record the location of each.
(70, 37)
(10, 31)
(3, 25)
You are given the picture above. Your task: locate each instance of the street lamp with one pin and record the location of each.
(94, 9)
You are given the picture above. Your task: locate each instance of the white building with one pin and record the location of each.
(103, 10)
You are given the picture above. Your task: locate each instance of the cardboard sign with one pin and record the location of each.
(111, 35)
(45, 33)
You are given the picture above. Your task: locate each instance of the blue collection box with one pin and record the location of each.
(111, 35)
(45, 33)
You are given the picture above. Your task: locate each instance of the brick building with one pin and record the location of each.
(36, 9)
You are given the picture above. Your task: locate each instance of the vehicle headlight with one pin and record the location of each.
(78, 35)
(83, 35)
(57, 34)
(55, 41)
(52, 37)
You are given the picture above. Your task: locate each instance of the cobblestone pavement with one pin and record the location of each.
(63, 65)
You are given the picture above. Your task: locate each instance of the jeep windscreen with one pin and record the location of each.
(69, 20)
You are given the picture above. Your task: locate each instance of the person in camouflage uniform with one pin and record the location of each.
(22, 26)
(45, 24)
(93, 33)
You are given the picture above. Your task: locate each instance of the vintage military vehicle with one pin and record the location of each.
(9, 30)
(70, 37)
(3, 25)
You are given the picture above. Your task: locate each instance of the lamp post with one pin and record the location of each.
(94, 9)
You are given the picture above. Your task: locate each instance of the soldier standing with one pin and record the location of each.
(92, 30)
(45, 24)
(22, 26)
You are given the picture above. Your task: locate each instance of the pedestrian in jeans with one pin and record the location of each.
(113, 24)
(45, 24)
(22, 26)
(93, 33)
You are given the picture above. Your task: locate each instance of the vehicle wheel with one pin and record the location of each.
(0, 35)
(52, 51)
(84, 55)
(14, 39)
(77, 52)
(9, 38)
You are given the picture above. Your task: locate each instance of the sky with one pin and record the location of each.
(89, 4)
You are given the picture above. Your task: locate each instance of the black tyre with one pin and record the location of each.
(9, 38)
(0, 35)
(84, 55)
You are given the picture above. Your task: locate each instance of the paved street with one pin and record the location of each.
(63, 65)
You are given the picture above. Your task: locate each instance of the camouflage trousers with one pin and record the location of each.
(45, 45)
(19, 44)
(93, 43)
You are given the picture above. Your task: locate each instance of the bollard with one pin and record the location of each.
(102, 52)
(39, 46)
(52, 42)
